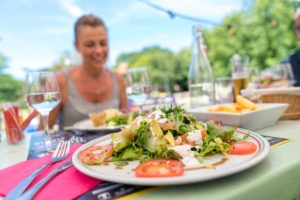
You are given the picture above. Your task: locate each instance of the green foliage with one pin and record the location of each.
(10, 89)
(264, 33)
(162, 64)
(2, 63)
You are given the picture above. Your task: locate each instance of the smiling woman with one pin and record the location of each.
(89, 87)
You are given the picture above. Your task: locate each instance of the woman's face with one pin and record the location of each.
(92, 44)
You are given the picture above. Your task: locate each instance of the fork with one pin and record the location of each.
(29, 194)
(61, 152)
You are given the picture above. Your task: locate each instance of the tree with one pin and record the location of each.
(3, 65)
(162, 65)
(66, 60)
(10, 88)
(263, 32)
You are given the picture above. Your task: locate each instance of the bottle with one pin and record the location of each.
(201, 81)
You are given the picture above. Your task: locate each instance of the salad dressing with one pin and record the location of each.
(158, 116)
(195, 136)
(119, 168)
(187, 155)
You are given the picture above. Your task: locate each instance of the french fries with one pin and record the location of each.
(242, 105)
(246, 103)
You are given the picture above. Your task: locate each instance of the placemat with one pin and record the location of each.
(108, 190)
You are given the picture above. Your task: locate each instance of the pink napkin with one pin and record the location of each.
(67, 185)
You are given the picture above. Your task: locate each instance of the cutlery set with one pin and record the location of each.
(61, 153)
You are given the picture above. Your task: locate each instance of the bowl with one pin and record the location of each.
(252, 120)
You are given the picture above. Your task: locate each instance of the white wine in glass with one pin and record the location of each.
(42, 94)
(138, 86)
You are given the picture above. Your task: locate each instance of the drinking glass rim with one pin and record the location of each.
(223, 78)
(137, 69)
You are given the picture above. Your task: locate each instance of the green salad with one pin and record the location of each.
(168, 135)
(167, 132)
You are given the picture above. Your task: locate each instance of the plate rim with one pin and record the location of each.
(261, 155)
(275, 105)
(95, 128)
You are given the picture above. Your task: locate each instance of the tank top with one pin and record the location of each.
(77, 108)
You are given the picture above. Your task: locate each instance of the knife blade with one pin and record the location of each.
(31, 192)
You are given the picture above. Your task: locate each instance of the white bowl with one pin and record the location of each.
(253, 120)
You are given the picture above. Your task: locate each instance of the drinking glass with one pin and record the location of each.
(138, 86)
(287, 73)
(42, 94)
(239, 73)
(224, 90)
(254, 78)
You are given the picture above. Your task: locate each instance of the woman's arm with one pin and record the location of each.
(122, 93)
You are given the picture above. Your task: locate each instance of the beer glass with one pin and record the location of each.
(239, 73)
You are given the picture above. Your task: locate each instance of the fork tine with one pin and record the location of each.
(68, 148)
(62, 149)
(57, 149)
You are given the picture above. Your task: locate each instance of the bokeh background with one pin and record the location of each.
(37, 35)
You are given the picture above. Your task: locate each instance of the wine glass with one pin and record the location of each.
(138, 86)
(42, 94)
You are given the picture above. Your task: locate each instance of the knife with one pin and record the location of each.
(31, 192)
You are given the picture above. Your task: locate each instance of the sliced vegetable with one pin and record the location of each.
(96, 154)
(203, 133)
(159, 168)
(169, 138)
(242, 148)
(156, 129)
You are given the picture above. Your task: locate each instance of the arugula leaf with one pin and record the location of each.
(225, 132)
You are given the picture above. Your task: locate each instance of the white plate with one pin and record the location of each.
(253, 120)
(88, 126)
(234, 164)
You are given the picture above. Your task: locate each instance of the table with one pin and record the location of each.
(276, 177)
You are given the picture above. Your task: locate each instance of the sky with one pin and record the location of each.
(35, 33)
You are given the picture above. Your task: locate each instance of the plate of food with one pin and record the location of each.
(169, 147)
(109, 119)
(243, 114)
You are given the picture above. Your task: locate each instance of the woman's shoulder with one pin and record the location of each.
(118, 76)
(61, 77)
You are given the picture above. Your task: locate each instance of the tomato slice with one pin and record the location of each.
(160, 167)
(242, 148)
(96, 154)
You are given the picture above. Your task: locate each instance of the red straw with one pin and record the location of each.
(28, 120)
(12, 124)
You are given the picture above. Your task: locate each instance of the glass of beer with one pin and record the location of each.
(239, 73)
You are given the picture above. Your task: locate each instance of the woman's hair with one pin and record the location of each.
(87, 20)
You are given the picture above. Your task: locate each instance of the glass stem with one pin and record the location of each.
(45, 120)
(140, 110)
